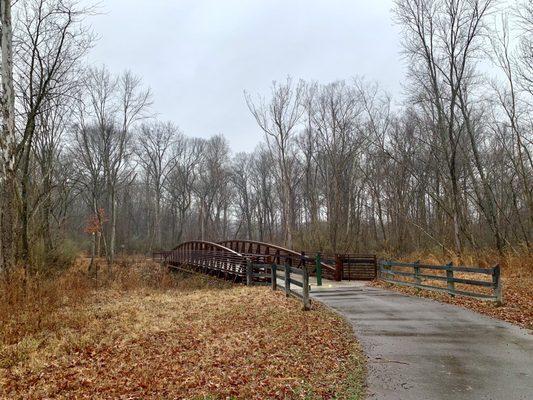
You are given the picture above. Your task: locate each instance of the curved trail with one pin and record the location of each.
(422, 349)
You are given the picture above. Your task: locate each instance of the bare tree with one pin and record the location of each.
(212, 187)
(180, 183)
(441, 37)
(279, 119)
(50, 44)
(48, 152)
(335, 118)
(241, 174)
(114, 104)
(86, 148)
(262, 182)
(134, 102)
(155, 143)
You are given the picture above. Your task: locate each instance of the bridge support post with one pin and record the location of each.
(305, 293)
(249, 271)
(274, 276)
(287, 279)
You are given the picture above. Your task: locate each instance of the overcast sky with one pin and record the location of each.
(199, 55)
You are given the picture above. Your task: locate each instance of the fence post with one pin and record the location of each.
(338, 267)
(274, 276)
(287, 278)
(497, 284)
(449, 279)
(305, 281)
(417, 272)
(302, 259)
(318, 269)
(249, 271)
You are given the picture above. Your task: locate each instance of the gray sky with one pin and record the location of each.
(199, 55)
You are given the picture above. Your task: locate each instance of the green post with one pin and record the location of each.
(318, 270)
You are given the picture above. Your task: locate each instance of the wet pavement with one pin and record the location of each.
(421, 349)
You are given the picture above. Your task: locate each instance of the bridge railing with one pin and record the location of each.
(206, 257)
(276, 254)
(331, 266)
(160, 256)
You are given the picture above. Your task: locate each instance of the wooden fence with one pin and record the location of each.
(269, 274)
(356, 266)
(389, 272)
(345, 266)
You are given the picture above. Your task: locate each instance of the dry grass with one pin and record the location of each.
(517, 280)
(146, 333)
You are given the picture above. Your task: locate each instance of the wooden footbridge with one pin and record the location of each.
(265, 263)
(229, 259)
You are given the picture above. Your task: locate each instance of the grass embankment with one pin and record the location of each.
(146, 333)
(517, 280)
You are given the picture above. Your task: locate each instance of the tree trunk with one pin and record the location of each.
(7, 143)
(287, 208)
(113, 230)
(46, 212)
(157, 227)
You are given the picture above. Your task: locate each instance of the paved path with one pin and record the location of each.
(421, 349)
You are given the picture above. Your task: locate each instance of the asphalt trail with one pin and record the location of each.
(422, 349)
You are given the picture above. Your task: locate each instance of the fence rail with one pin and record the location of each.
(389, 273)
(269, 274)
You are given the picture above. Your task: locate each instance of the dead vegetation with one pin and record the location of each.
(517, 280)
(145, 333)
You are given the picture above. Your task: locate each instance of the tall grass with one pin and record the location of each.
(30, 303)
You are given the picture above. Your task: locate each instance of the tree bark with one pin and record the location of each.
(7, 142)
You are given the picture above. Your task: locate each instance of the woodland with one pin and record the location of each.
(92, 182)
(447, 168)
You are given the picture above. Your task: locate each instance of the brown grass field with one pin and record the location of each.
(517, 280)
(145, 333)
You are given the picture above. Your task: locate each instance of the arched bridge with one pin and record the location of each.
(206, 257)
(229, 259)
